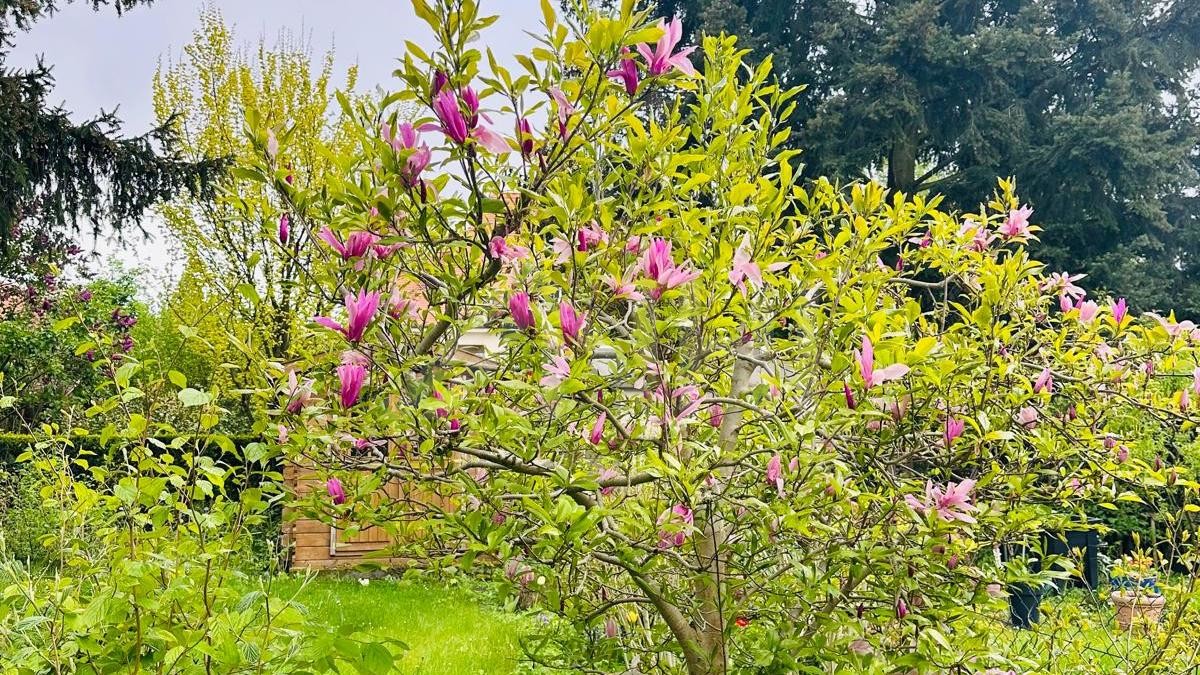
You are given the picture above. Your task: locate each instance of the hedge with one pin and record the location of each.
(13, 445)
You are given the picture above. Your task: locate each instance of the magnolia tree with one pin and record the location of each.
(731, 421)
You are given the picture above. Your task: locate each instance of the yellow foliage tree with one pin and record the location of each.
(240, 291)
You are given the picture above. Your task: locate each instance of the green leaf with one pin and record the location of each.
(375, 658)
(177, 378)
(191, 398)
(63, 324)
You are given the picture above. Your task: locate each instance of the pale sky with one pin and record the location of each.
(102, 61)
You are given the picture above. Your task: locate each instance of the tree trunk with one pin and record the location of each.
(902, 165)
(715, 532)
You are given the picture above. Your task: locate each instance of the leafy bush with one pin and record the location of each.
(730, 422)
(47, 351)
(25, 522)
(149, 538)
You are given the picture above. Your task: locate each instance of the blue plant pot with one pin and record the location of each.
(1023, 601)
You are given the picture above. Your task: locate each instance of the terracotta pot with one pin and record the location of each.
(1134, 608)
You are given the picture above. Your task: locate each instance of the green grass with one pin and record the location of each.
(448, 629)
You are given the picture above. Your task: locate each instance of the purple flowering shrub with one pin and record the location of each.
(715, 419)
(52, 336)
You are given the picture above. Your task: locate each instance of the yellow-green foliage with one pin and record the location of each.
(237, 286)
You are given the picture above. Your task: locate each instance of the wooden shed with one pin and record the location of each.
(314, 545)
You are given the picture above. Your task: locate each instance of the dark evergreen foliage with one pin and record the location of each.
(57, 177)
(1092, 105)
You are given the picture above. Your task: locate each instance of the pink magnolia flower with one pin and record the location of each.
(525, 137)
(662, 60)
(440, 412)
(898, 408)
(775, 473)
(1196, 380)
(590, 236)
(623, 288)
(1119, 310)
(407, 299)
(351, 376)
(866, 366)
(571, 322)
(1017, 224)
(1064, 284)
(284, 228)
(981, 236)
(455, 424)
(597, 432)
(272, 144)
(627, 72)
(1087, 310)
(298, 395)
(716, 415)
(901, 608)
(951, 503)
(745, 269)
(1122, 454)
(360, 310)
(633, 244)
(1027, 417)
(458, 127)
(954, 429)
(680, 403)
(499, 247)
(677, 524)
(440, 80)
(557, 369)
(1064, 303)
(334, 487)
(610, 628)
(407, 139)
(1044, 382)
(850, 403)
(565, 109)
(924, 241)
(356, 245)
(1185, 401)
(384, 251)
(658, 265)
(522, 314)
(1173, 328)
(491, 140)
(860, 647)
(563, 250)
(454, 125)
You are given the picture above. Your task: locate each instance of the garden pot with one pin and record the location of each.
(1087, 542)
(1023, 601)
(1137, 608)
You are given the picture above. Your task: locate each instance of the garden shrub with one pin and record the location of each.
(150, 543)
(735, 423)
(24, 519)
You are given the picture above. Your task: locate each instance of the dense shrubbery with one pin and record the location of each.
(46, 354)
(734, 423)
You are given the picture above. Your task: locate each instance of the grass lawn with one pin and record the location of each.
(448, 629)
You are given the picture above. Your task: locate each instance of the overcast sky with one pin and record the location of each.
(102, 61)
